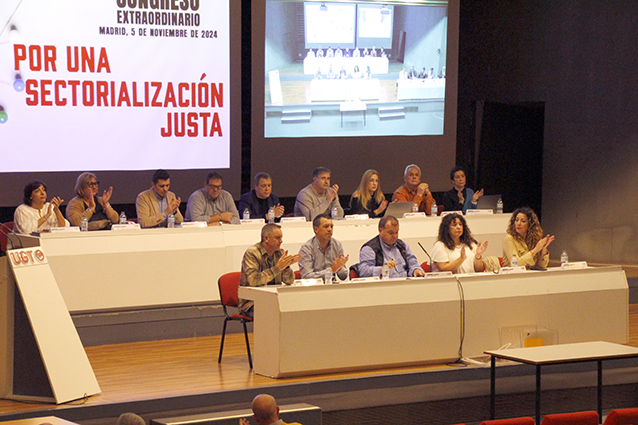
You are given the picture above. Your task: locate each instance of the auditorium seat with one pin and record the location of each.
(622, 417)
(297, 274)
(525, 420)
(426, 267)
(228, 285)
(4, 229)
(576, 418)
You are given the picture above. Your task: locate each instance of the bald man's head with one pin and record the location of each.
(265, 409)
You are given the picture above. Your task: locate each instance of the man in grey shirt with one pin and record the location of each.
(322, 251)
(212, 204)
(318, 197)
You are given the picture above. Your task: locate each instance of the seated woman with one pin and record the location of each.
(368, 198)
(456, 250)
(524, 230)
(36, 214)
(460, 198)
(97, 209)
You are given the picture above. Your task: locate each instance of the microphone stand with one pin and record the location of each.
(426, 253)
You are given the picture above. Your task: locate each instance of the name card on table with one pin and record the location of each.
(365, 279)
(308, 282)
(127, 226)
(253, 221)
(437, 274)
(293, 219)
(65, 229)
(479, 212)
(574, 265)
(357, 217)
(194, 224)
(414, 215)
(511, 270)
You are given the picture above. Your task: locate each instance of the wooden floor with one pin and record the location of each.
(172, 368)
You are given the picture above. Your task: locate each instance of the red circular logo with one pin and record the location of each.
(39, 255)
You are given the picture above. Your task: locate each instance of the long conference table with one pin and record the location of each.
(301, 330)
(114, 270)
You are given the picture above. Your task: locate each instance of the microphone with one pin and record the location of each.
(426, 253)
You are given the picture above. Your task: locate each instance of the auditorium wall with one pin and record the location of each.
(579, 58)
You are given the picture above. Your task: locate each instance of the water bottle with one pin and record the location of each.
(271, 215)
(84, 226)
(123, 218)
(499, 206)
(385, 271)
(415, 207)
(564, 258)
(246, 215)
(334, 212)
(434, 211)
(327, 276)
(514, 260)
(171, 221)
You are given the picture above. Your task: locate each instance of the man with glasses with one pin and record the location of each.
(212, 204)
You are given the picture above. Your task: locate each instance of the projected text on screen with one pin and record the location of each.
(114, 85)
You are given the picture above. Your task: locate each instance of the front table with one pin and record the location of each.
(556, 354)
(301, 330)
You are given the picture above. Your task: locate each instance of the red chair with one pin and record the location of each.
(4, 229)
(426, 267)
(622, 417)
(525, 420)
(228, 285)
(297, 274)
(354, 271)
(577, 418)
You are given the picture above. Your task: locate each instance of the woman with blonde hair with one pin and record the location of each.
(369, 198)
(97, 209)
(524, 231)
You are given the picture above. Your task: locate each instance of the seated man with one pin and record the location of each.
(261, 199)
(318, 197)
(413, 190)
(265, 263)
(212, 204)
(388, 248)
(322, 251)
(155, 204)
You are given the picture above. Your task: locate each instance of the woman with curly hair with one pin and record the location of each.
(369, 198)
(456, 250)
(524, 231)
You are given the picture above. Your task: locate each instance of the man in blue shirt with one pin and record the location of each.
(388, 248)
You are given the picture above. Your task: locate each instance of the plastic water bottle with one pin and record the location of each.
(415, 207)
(334, 212)
(499, 206)
(385, 271)
(123, 218)
(327, 276)
(434, 211)
(246, 215)
(514, 260)
(84, 226)
(171, 221)
(564, 258)
(271, 215)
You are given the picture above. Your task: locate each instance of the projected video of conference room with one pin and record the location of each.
(354, 69)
